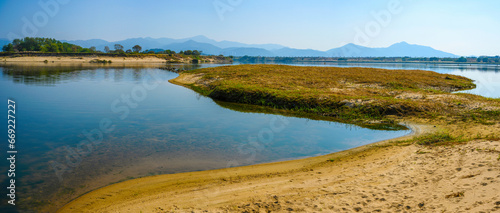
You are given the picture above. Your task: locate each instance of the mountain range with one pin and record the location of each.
(211, 47)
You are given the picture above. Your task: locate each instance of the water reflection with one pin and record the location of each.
(49, 75)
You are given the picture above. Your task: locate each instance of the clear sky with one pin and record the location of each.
(462, 27)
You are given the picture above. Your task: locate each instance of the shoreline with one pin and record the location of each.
(287, 166)
(373, 177)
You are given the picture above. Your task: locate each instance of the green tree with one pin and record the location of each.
(44, 49)
(118, 47)
(462, 59)
(85, 50)
(53, 48)
(16, 43)
(8, 48)
(106, 49)
(137, 48)
(93, 49)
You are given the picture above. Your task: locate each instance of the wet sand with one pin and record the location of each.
(369, 178)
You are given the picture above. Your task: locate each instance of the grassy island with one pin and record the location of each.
(368, 97)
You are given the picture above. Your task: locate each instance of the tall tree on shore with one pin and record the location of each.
(93, 49)
(106, 49)
(137, 48)
(118, 47)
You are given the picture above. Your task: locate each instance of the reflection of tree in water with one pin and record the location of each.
(52, 75)
(118, 75)
(45, 75)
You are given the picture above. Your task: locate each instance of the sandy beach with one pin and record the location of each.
(374, 178)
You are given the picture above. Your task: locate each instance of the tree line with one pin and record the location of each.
(46, 45)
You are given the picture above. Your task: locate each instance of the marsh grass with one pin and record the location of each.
(439, 138)
(350, 95)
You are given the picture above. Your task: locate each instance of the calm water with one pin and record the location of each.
(82, 128)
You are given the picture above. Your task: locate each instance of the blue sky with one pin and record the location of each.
(457, 26)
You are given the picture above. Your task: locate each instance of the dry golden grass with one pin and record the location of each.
(353, 95)
(323, 79)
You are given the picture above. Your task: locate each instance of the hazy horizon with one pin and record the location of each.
(459, 27)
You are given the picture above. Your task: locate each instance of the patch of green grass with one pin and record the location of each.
(484, 117)
(421, 152)
(439, 138)
(199, 89)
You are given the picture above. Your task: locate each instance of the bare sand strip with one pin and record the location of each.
(140, 59)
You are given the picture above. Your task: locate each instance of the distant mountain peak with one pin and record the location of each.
(351, 44)
(200, 37)
(403, 43)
